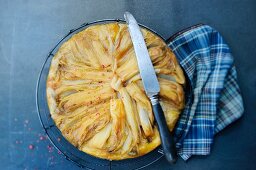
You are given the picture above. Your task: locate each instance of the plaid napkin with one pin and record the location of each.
(216, 100)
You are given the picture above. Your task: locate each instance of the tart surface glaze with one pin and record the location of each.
(96, 97)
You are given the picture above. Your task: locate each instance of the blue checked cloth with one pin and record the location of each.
(216, 100)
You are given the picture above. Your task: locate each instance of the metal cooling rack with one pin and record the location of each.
(70, 152)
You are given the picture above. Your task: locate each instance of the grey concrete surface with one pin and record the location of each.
(30, 28)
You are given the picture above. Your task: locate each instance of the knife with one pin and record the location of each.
(151, 86)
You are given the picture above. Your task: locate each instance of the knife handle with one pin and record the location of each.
(165, 135)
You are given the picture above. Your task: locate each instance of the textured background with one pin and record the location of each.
(29, 29)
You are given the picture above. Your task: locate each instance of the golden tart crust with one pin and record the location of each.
(95, 94)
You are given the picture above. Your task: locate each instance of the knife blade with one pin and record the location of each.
(147, 71)
(151, 85)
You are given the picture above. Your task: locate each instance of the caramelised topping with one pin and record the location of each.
(96, 97)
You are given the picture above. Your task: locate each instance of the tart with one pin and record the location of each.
(96, 97)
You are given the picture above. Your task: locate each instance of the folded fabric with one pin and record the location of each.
(216, 100)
